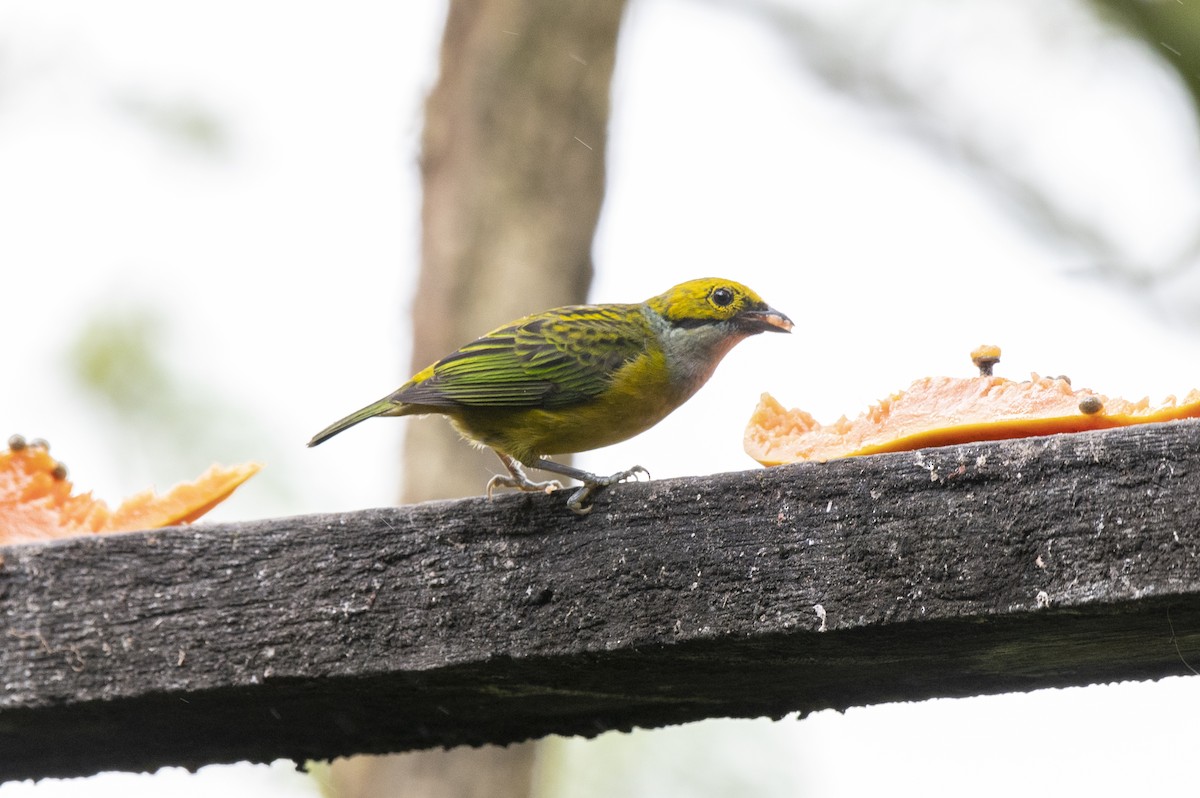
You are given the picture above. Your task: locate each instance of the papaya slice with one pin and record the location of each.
(37, 501)
(939, 411)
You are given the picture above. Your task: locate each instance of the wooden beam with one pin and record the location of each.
(965, 570)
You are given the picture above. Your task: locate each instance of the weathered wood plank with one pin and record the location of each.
(965, 570)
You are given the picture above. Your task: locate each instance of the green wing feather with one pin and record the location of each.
(550, 360)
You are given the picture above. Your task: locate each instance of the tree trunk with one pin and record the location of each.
(513, 168)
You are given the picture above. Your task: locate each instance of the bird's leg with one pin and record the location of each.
(518, 479)
(591, 482)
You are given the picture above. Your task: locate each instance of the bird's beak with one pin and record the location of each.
(769, 320)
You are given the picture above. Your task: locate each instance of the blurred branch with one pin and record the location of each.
(852, 62)
(1171, 29)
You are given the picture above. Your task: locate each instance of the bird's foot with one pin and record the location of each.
(519, 480)
(521, 483)
(580, 501)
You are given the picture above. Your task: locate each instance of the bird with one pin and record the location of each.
(579, 377)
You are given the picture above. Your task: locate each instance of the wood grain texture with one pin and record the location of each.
(982, 568)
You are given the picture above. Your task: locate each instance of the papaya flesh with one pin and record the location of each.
(38, 502)
(939, 411)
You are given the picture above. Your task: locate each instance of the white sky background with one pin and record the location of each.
(286, 268)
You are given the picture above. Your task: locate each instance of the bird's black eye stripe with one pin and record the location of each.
(721, 297)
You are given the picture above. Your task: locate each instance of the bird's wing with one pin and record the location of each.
(550, 360)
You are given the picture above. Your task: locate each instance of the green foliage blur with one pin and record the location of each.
(166, 424)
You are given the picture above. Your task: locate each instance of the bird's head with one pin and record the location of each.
(721, 304)
(699, 321)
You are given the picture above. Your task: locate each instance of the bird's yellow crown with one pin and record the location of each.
(707, 299)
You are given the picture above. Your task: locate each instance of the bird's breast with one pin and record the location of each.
(640, 395)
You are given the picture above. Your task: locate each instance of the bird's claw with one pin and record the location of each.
(621, 476)
(582, 494)
(576, 503)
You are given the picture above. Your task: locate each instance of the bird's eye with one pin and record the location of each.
(722, 297)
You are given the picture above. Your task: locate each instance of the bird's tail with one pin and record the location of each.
(384, 407)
